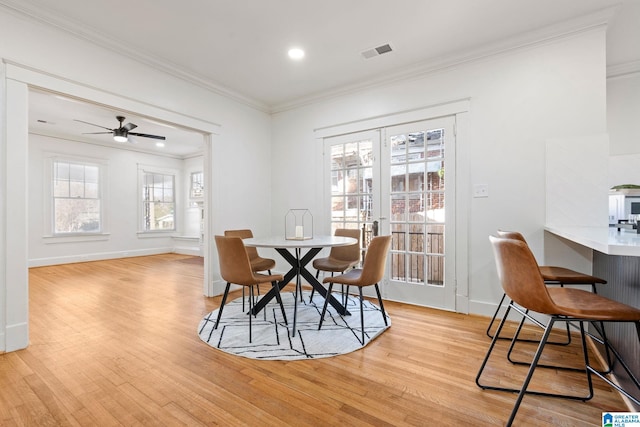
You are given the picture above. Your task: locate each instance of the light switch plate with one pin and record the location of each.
(480, 190)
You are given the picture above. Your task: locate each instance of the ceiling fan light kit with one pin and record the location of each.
(120, 135)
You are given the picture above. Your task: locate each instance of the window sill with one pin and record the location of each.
(75, 238)
(155, 234)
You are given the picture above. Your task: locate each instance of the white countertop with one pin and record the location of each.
(607, 240)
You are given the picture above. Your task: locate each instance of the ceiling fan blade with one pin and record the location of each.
(92, 124)
(130, 126)
(96, 133)
(145, 135)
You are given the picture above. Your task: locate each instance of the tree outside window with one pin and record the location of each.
(76, 198)
(158, 199)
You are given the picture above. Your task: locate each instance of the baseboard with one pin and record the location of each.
(16, 337)
(41, 262)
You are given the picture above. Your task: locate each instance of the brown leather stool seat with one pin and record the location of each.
(523, 283)
(551, 275)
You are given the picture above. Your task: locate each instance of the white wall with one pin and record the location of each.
(238, 164)
(518, 101)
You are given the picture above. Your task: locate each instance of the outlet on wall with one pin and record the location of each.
(481, 190)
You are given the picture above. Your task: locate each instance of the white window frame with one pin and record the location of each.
(142, 171)
(50, 235)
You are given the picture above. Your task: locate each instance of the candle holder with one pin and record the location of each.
(298, 224)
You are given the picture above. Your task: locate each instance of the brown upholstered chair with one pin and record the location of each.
(523, 283)
(369, 275)
(257, 262)
(341, 258)
(235, 267)
(551, 275)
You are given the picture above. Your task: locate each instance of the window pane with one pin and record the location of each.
(91, 190)
(337, 208)
(398, 208)
(76, 198)
(76, 189)
(398, 174)
(76, 172)
(398, 148)
(158, 201)
(61, 188)
(366, 180)
(337, 153)
(366, 153)
(416, 176)
(77, 215)
(352, 181)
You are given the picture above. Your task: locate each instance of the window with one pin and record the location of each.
(76, 198)
(197, 185)
(158, 201)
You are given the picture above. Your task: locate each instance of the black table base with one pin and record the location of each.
(298, 269)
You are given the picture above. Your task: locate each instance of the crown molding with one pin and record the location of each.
(79, 30)
(626, 69)
(594, 21)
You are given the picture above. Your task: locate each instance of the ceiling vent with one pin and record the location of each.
(377, 51)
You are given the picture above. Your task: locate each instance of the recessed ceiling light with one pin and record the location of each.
(160, 144)
(296, 53)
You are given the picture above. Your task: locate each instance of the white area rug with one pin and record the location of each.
(272, 338)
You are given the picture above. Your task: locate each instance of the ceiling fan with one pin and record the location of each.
(122, 132)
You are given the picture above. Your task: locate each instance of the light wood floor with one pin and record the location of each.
(115, 343)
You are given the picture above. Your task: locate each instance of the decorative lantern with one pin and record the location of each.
(298, 224)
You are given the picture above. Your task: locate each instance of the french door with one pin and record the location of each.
(417, 198)
(394, 177)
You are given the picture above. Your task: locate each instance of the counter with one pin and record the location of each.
(607, 240)
(616, 258)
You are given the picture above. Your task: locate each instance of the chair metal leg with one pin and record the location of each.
(624, 365)
(312, 288)
(224, 300)
(534, 363)
(541, 345)
(361, 314)
(250, 307)
(495, 315)
(279, 299)
(324, 307)
(384, 314)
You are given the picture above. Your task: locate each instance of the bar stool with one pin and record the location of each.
(552, 275)
(523, 283)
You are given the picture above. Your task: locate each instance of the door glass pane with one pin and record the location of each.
(398, 175)
(337, 209)
(417, 206)
(352, 181)
(398, 208)
(352, 174)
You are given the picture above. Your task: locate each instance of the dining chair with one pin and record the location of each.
(341, 258)
(370, 274)
(235, 267)
(257, 262)
(524, 284)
